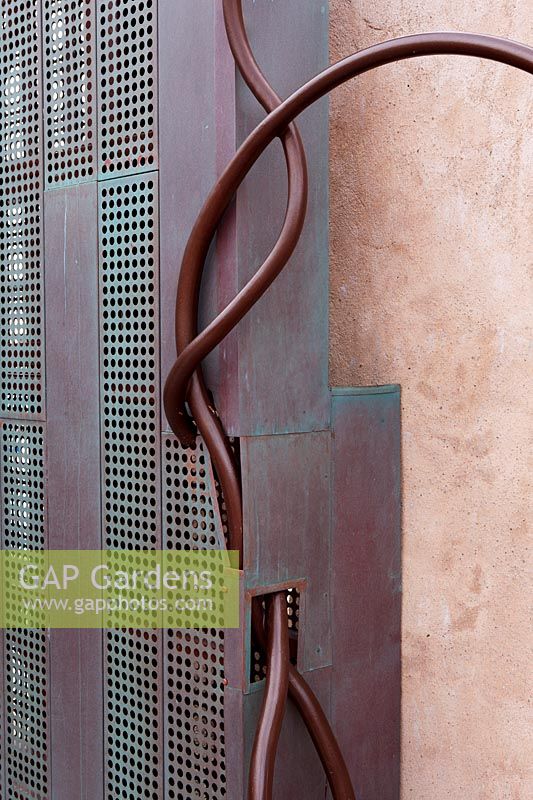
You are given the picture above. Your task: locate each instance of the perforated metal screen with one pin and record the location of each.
(21, 301)
(88, 70)
(194, 660)
(26, 653)
(129, 347)
(127, 34)
(70, 90)
(24, 738)
(129, 384)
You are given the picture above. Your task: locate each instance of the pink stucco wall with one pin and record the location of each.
(431, 231)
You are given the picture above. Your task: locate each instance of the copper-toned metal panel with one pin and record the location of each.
(74, 516)
(21, 300)
(71, 281)
(76, 714)
(69, 53)
(133, 713)
(127, 97)
(26, 652)
(187, 124)
(195, 757)
(366, 587)
(131, 470)
(129, 361)
(286, 517)
(277, 357)
(283, 353)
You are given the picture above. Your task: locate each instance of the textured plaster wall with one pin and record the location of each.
(431, 233)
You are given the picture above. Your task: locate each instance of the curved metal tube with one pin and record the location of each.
(264, 748)
(262, 763)
(192, 347)
(185, 381)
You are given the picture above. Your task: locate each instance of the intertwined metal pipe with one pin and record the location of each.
(185, 383)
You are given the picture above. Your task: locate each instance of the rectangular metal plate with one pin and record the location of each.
(131, 469)
(72, 391)
(26, 652)
(287, 522)
(366, 587)
(21, 299)
(127, 98)
(129, 361)
(283, 354)
(195, 755)
(74, 514)
(69, 53)
(188, 140)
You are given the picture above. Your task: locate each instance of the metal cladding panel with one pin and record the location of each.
(188, 78)
(26, 652)
(21, 300)
(129, 361)
(73, 402)
(282, 343)
(133, 714)
(76, 715)
(2, 710)
(271, 374)
(69, 67)
(74, 516)
(195, 755)
(286, 524)
(127, 97)
(366, 587)
(131, 471)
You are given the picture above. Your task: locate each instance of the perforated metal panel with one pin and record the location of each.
(258, 667)
(192, 519)
(26, 652)
(26, 684)
(134, 728)
(23, 486)
(293, 609)
(129, 362)
(195, 738)
(129, 342)
(128, 86)
(22, 362)
(2, 717)
(194, 659)
(70, 90)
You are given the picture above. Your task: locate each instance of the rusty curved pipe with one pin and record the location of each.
(185, 380)
(192, 347)
(261, 775)
(264, 749)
